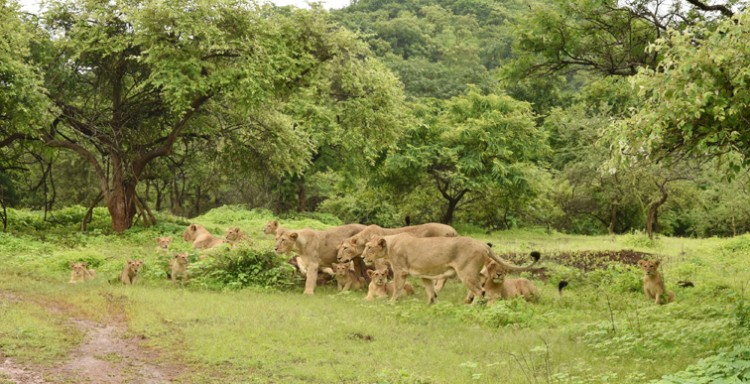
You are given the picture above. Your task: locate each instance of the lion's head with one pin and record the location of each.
(649, 267)
(378, 276)
(271, 227)
(286, 242)
(374, 249)
(164, 242)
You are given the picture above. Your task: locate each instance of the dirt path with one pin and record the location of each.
(104, 356)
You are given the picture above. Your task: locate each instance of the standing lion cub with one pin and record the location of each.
(653, 283)
(179, 265)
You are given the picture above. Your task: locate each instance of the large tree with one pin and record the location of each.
(129, 79)
(465, 145)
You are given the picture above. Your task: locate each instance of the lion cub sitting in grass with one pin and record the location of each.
(80, 272)
(129, 273)
(381, 287)
(163, 244)
(346, 277)
(179, 264)
(497, 286)
(653, 283)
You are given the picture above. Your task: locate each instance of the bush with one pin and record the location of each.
(242, 267)
(727, 367)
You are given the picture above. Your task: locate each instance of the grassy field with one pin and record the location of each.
(601, 330)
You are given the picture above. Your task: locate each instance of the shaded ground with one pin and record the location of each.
(104, 356)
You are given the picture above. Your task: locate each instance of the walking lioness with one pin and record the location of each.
(436, 258)
(316, 249)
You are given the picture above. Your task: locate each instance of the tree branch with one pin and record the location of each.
(705, 7)
(140, 163)
(88, 156)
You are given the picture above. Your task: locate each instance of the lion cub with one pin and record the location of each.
(129, 273)
(653, 283)
(497, 286)
(381, 287)
(179, 265)
(162, 244)
(346, 277)
(235, 235)
(80, 272)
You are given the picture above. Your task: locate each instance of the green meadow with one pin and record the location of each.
(256, 327)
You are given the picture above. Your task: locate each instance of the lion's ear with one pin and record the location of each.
(381, 242)
(370, 272)
(335, 265)
(294, 235)
(193, 227)
(274, 222)
(641, 262)
(657, 263)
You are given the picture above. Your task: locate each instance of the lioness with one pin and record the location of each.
(316, 249)
(162, 244)
(129, 273)
(80, 272)
(351, 248)
(355, 245)
(200, 237)
(653, 283)
(235, 235)
(346, 278)
(435, 258)
(381, 287)
(498, 286)
(178, 265)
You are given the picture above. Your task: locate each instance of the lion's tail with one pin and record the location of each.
(514, 268)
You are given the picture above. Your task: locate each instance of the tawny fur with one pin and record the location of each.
(129, 275)
(435, 258)
(235, 235)
(351, 249)
(653, 283)
(80, 272)
(381, 287)
(178, 265)
(316, 249)
(162, 244)
(346, 277)
(498, 286)
(273, 228)
(200, 237)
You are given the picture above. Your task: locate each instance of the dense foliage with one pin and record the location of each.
(579, 116)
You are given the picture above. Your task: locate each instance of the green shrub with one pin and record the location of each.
(617, 278)
(727, 367)
(244, 266)
(639, 240)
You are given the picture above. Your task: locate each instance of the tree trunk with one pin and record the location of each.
(448, 215)
(653, 210)
(612, 219)
(90, 212)
(121, 205)
(301, 197)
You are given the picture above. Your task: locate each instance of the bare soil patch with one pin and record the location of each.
(105, 356)
(584, 260)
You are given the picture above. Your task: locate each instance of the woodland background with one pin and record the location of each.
(585, 117)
